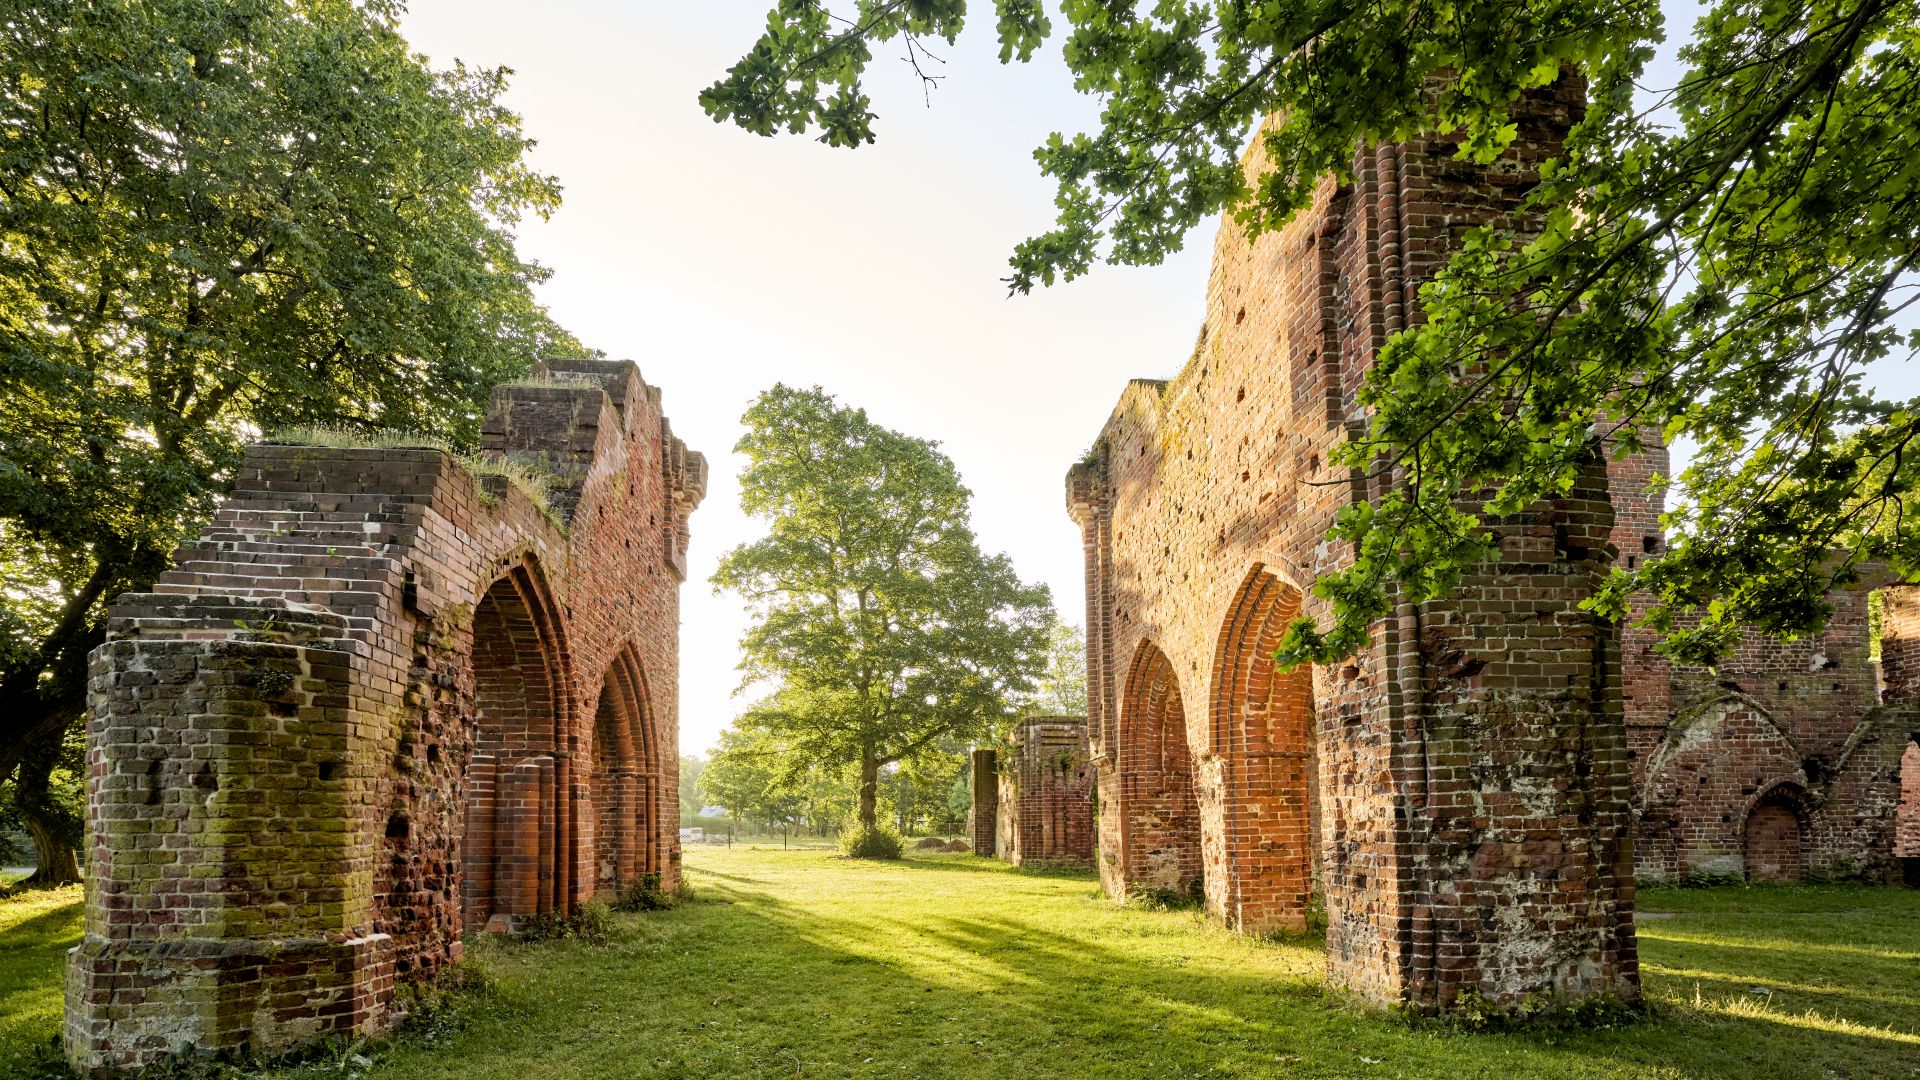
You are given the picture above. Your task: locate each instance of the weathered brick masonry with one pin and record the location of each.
(1465, 794)
(1459, 792)
(1044, 805)
(379, 702)
(1900, 676)
(1783, 763)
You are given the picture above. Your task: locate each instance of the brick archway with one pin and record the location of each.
(520, 829)
(1161, 817)
(1774, 838)
(625, 781)
(1261, 816)
(384, 669)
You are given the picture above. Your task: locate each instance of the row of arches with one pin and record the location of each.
(549, 822)
(1237, 821)
(1230, 810)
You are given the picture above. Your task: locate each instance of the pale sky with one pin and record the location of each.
(722, 262)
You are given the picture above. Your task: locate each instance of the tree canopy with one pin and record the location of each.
(881, 628)
(1718, 261)
(218, 217)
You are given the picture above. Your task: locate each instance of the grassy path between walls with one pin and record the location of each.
(798, 964)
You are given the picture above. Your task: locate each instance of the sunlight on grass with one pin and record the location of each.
(37, 927)
(799, 964)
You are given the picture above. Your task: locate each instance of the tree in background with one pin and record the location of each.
(1062, 688)
(758, 781)
(745, 777)
(691, 765)
(218, 217)
(883, 628)
(918, 792)
(1718, 260)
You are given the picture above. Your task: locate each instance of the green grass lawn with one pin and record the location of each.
(37, 927)
(796, 964)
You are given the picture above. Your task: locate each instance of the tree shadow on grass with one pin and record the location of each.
(1037, 987)
(1033, 984)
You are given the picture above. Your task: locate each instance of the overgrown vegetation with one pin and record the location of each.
(1716, 255)
(646, 894)
(527, 474)
(218, 217)
(870, 842)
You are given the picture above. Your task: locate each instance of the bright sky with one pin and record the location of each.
(722, 262)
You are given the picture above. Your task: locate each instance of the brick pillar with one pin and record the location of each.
(219, 778)
(1511, 871)
(982, 818)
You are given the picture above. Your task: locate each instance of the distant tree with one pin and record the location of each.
(1062, 689)
(882, 626)
(960, 795)
(918, 792)
(216, 217)
(51, 809)
(746, 776)
(690, 768)
(1719, 259)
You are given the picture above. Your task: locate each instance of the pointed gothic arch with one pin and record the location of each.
(625, 786)
(1260, 863)
(1775, 833)
(520, 829)
(1160, 814)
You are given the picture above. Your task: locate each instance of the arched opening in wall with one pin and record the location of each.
(1906, 821)
(1260, 866)
(1775, 842)
(1160, 815)
(520, 837)
(625, 779)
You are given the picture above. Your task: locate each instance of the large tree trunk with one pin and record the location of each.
(58, 863)
(869, 790)
(50, 828)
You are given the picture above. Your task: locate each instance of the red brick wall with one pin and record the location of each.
(1805, 714)
(1045, 794)
(984, 814)
(1159, 841)
(380, 702)
(1906, 844)
(1461, 787)
(1775, 841)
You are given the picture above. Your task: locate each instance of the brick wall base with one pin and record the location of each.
(210, 996)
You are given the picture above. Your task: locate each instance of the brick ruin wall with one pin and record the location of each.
(1465, 795)
(1782, 763)
(983, 812)
(1457, 795)
(380, 702)
(1044, 799)
(1900, 680)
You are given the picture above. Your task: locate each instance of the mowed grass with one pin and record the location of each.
(798, 964)
(37, 927)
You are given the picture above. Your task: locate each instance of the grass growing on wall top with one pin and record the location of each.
(528, 475)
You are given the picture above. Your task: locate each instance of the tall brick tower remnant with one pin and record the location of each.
(1459, 792)
(382, 701)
